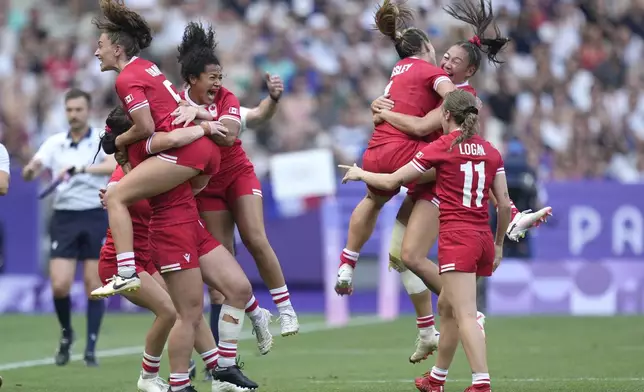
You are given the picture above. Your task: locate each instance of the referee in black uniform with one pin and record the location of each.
(78, 224)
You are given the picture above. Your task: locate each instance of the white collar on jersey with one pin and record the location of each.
(130, 62)
(190, 101)
(465, 83)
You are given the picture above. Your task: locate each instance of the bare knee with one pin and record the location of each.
(255, 240)
(444, 307)
(411, 258)
(242, 292)
(216, 298)
(378, 201)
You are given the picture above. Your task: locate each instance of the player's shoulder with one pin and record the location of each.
(467, 87)
(3, 150)
(431, 70)
(224, 94)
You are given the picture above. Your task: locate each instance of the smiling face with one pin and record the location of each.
(456, 63)
(107, 53)
(205, 87)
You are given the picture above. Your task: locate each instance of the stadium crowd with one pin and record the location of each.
(569, 97)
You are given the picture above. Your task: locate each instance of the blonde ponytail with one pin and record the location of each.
(462, 106)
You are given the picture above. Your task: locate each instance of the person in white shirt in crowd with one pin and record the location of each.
(78, 223)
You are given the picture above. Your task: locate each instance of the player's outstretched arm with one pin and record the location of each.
(384, 181)
(268, 106)
(161, 141)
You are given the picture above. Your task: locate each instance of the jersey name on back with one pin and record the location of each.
(412, 88)
(142, 84)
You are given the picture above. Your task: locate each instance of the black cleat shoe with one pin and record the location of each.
(192, 369)
(64, 347)
(189, 389)
(207, 376)
(90, 360)
(231, 378)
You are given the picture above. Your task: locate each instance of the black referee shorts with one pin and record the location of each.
(78, 235)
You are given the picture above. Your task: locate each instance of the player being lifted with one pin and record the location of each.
(180, 245)
(467, 167)
(417, 86)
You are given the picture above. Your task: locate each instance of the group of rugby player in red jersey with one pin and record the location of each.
(426, 139)
(185, 181)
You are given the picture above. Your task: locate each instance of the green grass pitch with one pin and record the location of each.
(525, 355)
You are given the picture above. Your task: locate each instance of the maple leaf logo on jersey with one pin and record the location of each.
(419, 154)
(213, 110)
(129, 99)
(233, 111)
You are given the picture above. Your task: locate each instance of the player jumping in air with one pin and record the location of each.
(417, 86)
(234, 196)
(467, 167)
(180, 244)
(425, 126)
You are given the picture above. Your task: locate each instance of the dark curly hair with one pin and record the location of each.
(117, 122)
(197, 50)
(124, 27)
(480, 17)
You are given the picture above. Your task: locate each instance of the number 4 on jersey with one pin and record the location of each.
(479, 168)
(388, 87)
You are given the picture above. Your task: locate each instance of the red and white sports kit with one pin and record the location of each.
(236, 176)
(427, 191)
(140, 212)
(464, 178)
(412, 87)
(177, 237)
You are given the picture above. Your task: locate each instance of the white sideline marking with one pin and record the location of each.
(494, 380)
(131, 350)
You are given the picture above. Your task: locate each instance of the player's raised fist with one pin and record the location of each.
(275, 86)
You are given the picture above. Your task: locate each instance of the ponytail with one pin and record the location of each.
(462, 106)
(394, 21)
(480, 18)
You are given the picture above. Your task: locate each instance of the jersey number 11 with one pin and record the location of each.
(479, 168)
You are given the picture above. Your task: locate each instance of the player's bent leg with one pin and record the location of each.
(460, 289)
(434, 379)
(155, 298)
(420, 236)
(419, 295)
(61, 273)
(361, 226)
(221, 271)
(206, 346)
(141, 183)
(249, 216)
(221, 226)
(95, 310)
(186, 290)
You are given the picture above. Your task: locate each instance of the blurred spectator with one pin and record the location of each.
(570, 91)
